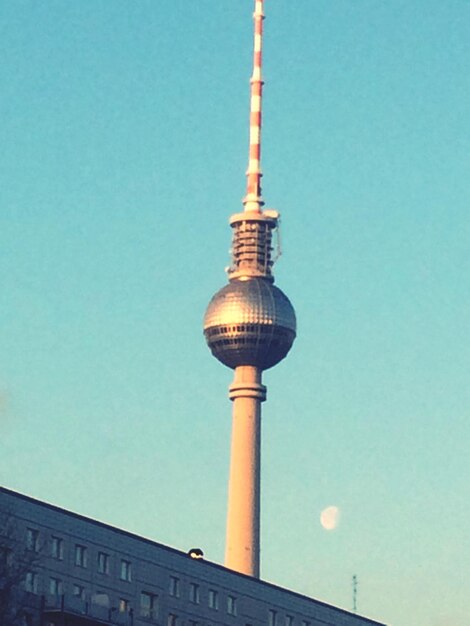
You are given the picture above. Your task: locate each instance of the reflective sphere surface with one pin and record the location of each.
(250, 322)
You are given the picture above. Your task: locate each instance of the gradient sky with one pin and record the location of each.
(124, 134)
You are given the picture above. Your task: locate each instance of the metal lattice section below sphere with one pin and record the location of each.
(250, 322)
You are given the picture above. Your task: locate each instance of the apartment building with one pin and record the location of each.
(76, 571)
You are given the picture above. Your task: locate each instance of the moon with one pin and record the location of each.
(329, 517)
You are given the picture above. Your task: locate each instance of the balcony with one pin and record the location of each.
(71, 611)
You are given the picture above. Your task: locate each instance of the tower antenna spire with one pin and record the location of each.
(253, 199)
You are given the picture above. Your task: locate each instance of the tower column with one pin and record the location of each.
(243, 519)
(249, 326)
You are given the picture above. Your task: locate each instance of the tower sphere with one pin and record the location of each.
(250, 322)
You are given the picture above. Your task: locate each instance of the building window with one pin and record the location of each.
(100, 598)
(32, 539)
(124, 605)
(125, 570)
(305, 622)
(103, 563)
(78, 592)
(231, 605)
(6, 556)
(213, 599)
(31, 582)
(148, 605)
(194, 593)
(80, 555)
(289, 620)
(55, 587)
(174, 586)
(57, 548)
(272, 615)
(172, 620)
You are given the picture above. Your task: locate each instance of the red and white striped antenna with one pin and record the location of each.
(253, 200)
(253, 228)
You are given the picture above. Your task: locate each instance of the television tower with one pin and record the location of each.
(249, 326)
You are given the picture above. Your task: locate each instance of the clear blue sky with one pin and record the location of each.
(124, 132)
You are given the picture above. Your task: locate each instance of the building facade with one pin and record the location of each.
(75, 571)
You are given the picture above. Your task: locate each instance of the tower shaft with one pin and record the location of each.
(242, 552)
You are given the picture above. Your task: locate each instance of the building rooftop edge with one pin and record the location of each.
(128, 533)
